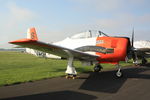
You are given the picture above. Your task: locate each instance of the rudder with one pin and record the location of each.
(31, 34)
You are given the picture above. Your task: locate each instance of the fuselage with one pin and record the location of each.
(120, 49)
(76, 43)
(117, 45)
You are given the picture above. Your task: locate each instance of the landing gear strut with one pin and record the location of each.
(119, 73)
(135, 59)
(97, 68)
(71, 71)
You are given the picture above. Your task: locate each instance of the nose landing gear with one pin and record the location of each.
(119, 73)
(98, 68)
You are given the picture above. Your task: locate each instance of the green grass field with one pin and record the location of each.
(17, 67)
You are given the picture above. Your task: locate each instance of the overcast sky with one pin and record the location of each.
(57, 19)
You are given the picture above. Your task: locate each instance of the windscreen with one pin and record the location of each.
(88, 34)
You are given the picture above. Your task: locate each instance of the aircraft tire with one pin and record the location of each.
(144, 61)
(97, 68)
(119, 74)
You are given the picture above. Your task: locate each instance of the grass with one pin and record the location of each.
(17, 67)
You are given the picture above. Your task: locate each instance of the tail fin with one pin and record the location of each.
(31, 34)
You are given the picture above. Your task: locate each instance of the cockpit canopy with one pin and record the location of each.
(89, 34)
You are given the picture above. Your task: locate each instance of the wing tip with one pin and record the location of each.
(22, 41)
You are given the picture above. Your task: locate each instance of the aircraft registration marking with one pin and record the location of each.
(99, 41)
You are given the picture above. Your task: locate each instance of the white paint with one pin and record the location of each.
(31, 51)
(75, 43)
(28, 34)
(52, 56)
(70, 68)
(36, 52)
(81, 39)
(142, 44)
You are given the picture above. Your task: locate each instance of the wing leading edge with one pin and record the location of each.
(54, 49)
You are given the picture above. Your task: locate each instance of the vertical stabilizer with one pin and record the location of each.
(31, 34)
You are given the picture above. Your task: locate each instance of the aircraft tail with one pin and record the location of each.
(31, 34)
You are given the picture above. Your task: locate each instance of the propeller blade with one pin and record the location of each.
(134, 53)
(132, 41)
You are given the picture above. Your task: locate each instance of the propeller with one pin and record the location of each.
(134, 53)
(132, 41)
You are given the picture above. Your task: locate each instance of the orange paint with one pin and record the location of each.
(118, 44)
(21, 41)
(32, 34)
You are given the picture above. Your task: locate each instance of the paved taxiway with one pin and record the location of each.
(135, 85)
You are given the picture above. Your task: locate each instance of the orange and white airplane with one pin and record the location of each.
(88, 47)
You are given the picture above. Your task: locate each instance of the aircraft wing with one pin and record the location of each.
(54, 49)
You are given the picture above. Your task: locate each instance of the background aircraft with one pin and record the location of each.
(139, 52)
(89, 48)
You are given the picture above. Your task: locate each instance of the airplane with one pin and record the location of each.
(89, 48)
(138, 53)
(144, 50)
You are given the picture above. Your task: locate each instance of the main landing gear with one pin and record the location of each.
(144, 61)
(71, 71)
(98, 68)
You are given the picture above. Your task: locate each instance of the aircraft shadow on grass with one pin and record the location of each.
(107, 82)
(61, 95)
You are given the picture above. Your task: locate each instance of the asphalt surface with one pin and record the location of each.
(134, 85)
